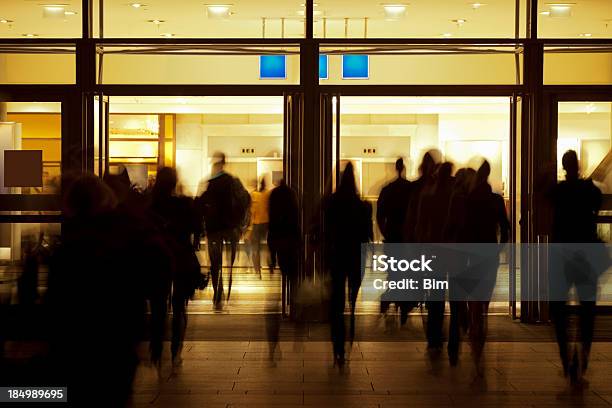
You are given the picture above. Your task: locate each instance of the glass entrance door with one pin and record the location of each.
(584, 125)
(186, 133)
(372, 132)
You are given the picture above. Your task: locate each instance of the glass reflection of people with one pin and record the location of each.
(576, 203)
(486, 219)
(348, 224)
(391, 209)
(225, 207)
(259, 222)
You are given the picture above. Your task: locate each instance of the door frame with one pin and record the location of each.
(330, 129)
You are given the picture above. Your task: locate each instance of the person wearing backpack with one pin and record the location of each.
(224, 206)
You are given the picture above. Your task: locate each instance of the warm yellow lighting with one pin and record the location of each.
(5, 21)
(54, 10)
(70, 13)
(30, 35)
(394, 11)
(314, 12)
(157, 22)
(476, 6)
(545, 13)
(560, 9)
(447, 35)
(586, 35)
(459, 21)
(218, 10)
(167, 35)
(137, 5)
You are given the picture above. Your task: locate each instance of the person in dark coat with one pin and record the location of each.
(96, 295)
(177, 219)
(431, 219)
(224, 206)
(486, 223)
(391, 209)
(455, 231)
(348, 224)
(576, 202)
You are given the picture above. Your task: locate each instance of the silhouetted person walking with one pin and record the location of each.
(158, 264)
(455, 231)
(348, 224)
(486, 222)
(576, 203)
(97, 295)
(391, 209)
(177, 220)
(424, 183)
(284, 233)
(225, 207)
(432, 213)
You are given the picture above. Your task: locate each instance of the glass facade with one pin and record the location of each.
(150, 84)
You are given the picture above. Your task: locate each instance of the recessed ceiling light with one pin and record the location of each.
(156, 21)
(394, 11)
(167, 35)
(54, 10)
(70, 13)
(447, 35)
(560, 9)
(545, 13)
(5, 21)
(137, 5)
(218, 10)
(586, 35)
(476, 6)
(29, 35)
(459, 21)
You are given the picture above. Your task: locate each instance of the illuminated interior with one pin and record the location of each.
(285, 19)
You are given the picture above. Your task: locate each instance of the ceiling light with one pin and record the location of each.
(137, 5)
(586, 35)
(5, 21)
(54, 10)
(167, 35)
(70, 13)
(394, 11)
(476, 6)
(29, 35)
(157, 22)
(545, 13)
(218, 10)
(459, 21)
(560, 9)
(447, 35)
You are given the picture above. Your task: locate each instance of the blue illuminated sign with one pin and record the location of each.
(323, 73)
(355, 66)
(273, 67)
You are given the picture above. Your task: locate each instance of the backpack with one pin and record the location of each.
(240, 204)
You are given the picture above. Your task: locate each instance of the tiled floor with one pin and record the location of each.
(379, 374)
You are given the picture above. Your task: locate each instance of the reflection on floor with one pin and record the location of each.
(385, 370)
(254, 294)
